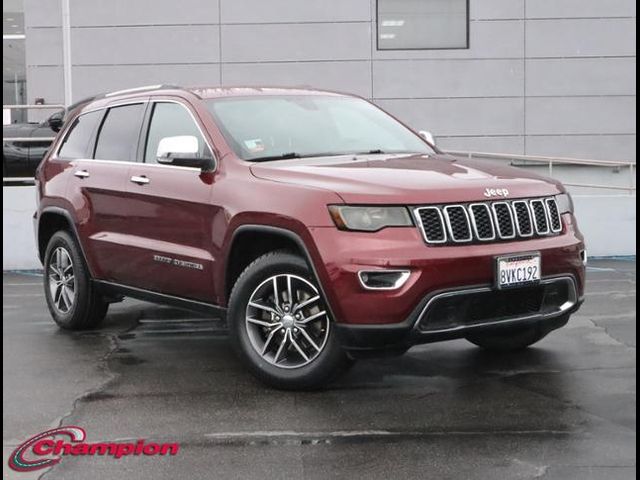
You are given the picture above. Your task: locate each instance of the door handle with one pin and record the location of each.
(139, 179)
(81, 173)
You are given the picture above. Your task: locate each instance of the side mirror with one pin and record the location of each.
(183, 151)
(56, 121)
(428, 136)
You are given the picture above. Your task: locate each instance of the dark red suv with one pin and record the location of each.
(322, 228)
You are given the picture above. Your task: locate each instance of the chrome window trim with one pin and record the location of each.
(416, 213)
(535, 221)
(135, 102)
(568, 305)
(517, 219)
(55, 155)
(475, 225)
(497, 222)
(404, 276)
(547, 202)
(449, 227)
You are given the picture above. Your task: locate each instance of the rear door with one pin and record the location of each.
(98, 185)
(171, 212)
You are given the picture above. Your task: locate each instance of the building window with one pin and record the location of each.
(423, 24)
(14, 81)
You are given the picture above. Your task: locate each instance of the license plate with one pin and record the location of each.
(518, 270)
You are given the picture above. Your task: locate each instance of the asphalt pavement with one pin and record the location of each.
(563, 409)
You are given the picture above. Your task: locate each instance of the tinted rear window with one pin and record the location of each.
(118, 137)
(76, 144)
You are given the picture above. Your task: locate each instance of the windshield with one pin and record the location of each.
(274, 127)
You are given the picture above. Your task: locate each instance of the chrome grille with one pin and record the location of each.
(504, 220)
(554, 215)
(489, 221)
(431, 223)
(481, 221)
(539, 217)
(458, 223)
(524, 222)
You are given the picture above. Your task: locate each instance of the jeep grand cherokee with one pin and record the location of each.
(319, 226)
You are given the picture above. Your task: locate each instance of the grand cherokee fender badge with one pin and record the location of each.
(177, 262)
(496, 192)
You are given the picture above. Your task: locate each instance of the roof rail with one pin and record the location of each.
(140, 89)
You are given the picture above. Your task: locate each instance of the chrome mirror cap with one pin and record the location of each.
(428, 136)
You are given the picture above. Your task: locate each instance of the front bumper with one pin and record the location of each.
(431, 321)
(391, 315)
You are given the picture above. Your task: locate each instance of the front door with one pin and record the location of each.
(170, 212)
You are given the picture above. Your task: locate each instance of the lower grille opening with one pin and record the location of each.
(473, 308)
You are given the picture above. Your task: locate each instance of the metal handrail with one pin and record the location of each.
(34, 107)
(481, 155)
(18, 179)
(603, 187)
(27, 139)
(543, 159)
(551, 161)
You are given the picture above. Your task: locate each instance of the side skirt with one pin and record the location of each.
(110, 288)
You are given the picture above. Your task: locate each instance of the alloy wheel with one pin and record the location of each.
(286, 321)
(62, 281)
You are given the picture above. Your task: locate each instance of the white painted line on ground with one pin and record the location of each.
(610, 280)
(17, 295)
(159, 320)
(39, 284)
(284, 434)
(614, 292)
(178, 331)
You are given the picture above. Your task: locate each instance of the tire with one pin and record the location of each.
(293, 345)
(73, 302)
(509, 340)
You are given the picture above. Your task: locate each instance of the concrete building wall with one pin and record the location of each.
(552, 77)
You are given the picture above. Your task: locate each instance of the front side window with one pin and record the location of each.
(423, 24)
(77, 142)
(118, 136)
(258, 128)
(171, 120)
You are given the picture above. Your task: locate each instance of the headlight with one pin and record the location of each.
(565, 204)
(369, 219)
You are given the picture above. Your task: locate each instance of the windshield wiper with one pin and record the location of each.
(289, 155)
(282, 156)
(378, 151)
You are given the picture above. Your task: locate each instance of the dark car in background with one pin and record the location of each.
(21, 157)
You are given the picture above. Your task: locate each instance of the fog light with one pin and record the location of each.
(383, 279)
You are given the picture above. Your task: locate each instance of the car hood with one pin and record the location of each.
(18, 130)
(409, 179)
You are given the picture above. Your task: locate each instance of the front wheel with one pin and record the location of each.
(280, 324)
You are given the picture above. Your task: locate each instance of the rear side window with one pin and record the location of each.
(76, 144)
(118, 136)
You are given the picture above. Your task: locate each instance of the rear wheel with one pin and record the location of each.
(73, 302)
(280, 324)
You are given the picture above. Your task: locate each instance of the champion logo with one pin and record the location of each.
(47, 449)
